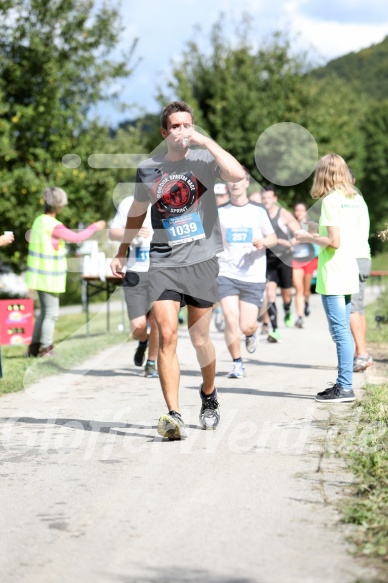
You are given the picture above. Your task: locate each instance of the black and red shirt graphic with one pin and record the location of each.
(180, 188)
(176, 194)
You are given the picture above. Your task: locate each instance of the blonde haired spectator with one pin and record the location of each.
(338, 275)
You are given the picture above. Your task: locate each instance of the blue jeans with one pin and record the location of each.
(337, 310)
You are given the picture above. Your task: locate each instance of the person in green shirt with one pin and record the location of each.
(338, 275)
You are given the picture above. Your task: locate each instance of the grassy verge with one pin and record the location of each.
(366, 452)
(367, 457)
(377, 334)
(72, 346)
(380, 262)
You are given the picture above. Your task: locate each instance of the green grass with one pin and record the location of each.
(72, 346)
(367, 456)
(377, 333)
(380, 262)
(366, 453)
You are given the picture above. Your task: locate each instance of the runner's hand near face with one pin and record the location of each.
(190, 137)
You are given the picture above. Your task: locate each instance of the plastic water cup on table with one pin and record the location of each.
(86, 266)
(102, 266)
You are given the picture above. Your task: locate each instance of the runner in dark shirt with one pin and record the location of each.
(179, 183)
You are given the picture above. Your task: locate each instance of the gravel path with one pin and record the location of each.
(91, 493)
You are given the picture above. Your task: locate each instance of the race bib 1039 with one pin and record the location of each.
(184, 229)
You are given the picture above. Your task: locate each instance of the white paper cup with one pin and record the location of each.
(8, 233)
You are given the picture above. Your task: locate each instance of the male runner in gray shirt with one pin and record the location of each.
(179, 183)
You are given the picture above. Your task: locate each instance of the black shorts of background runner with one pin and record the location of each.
(279, 272)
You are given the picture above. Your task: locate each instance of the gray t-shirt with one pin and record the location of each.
(184, 213)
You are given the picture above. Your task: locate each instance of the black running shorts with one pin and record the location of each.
(279, 272)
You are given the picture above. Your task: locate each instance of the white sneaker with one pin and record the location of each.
(219, 321)
(250, 343)
(238, 371)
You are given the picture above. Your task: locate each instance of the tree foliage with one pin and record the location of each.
(55, 65)
(365, 72)
(239, 90)
(374, 181)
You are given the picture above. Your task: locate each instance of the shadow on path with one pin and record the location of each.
(179, 575)
(111, 427)
(258, 392)
(290, 365)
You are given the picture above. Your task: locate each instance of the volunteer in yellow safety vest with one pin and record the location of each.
(46, 266)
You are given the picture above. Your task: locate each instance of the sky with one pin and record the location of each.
(325, 28)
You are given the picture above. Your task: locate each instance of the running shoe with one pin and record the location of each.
(299, 322)
(209, 416)
(361, 363)
(219, 321)
(181, 317)
(306, 309)
(335, 394)
(289, 319)
(171, 425)
(274, 336)
(150, 371)
(139, 357)
(250, 343)
(264, 329)
(238, 371)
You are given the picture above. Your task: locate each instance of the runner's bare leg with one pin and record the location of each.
(199, 326)
(165, 314)
(230, 309)
(248, 317)
(153, 340)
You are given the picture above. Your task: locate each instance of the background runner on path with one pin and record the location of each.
(246, 233)
(137, 297)
(304, 263)
(279, 261)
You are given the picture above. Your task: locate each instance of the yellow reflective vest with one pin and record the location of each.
(46, 266)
